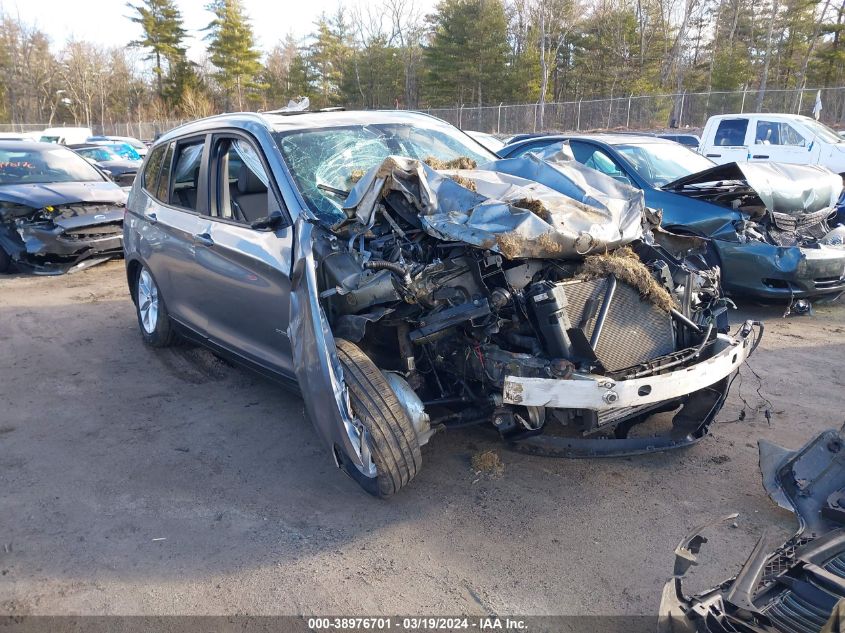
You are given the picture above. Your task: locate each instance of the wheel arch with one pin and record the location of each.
(133, 269)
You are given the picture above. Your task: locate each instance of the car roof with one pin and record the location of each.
(677, 135)
(28, 145)
(609, 139)
(84, 145)
(768, 115)
(291, 121)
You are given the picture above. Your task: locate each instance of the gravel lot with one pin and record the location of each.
(141, 482)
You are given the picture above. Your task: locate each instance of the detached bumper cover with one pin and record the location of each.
(599, 393)
(798, 587)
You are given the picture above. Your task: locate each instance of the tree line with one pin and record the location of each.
(392, 55)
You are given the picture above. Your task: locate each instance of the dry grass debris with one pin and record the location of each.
(464, 182)
(535, 206)
(356, 174)
(626, 266)
(461, 162)
(548, 245)
(488, 463)
(509, 246)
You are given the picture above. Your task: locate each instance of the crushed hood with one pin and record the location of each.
(56, 194)
(539, 206)
(783, 188)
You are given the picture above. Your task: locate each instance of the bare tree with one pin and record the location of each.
(408, 29)
(556, 20)
(764, 77)
(801, 77)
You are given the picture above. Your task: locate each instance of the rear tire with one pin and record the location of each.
(394, 446)
(153, 319)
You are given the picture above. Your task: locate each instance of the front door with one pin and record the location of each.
(247, 270)
(780, 142)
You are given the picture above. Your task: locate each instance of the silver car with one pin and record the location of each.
(408, 282)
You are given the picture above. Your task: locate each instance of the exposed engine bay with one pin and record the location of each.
(57, 239)
(539, 295)
(785, 204)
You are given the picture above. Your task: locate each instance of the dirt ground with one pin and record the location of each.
(135, 481)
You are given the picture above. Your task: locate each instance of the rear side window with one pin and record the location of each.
(152, 169)
(594, 158)
(731, 132)
(531, 147)
(163, 189)
(186, 173)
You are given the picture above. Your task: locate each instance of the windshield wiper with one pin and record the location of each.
(334, 190)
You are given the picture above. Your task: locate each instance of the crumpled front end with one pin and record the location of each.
(797, 587)
(786, 243)
(57, 239)
(534, 294)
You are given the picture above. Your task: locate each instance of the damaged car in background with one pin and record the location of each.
(795, 587)
(57, 212)
(411, 282)
(773, 228)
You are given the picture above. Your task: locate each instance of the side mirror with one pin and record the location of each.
(105, 173)
(268, 223)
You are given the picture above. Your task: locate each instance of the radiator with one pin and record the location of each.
(634, 331)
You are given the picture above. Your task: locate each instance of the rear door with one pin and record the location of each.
(176, 210)
(728, 144)
(246, 268)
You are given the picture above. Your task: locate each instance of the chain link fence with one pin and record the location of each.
(145, 130)
(629, 112)
(640, 112)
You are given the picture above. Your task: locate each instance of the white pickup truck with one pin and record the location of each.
(784, 138)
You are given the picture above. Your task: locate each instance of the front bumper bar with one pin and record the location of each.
(599, 393)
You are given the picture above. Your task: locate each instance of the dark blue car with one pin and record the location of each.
(768, 242)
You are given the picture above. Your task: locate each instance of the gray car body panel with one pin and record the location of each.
(188, 253)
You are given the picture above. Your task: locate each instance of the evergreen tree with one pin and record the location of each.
(232, 50)
(161, 22)
(328, 55)
(468, 55)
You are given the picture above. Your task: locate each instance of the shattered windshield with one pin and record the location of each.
(327, 162)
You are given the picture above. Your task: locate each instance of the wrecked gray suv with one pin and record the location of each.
(409, 282)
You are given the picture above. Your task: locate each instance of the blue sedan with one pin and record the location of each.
(752, 243)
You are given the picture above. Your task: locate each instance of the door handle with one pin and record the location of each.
(760, 156)
(714, 155)
(204, 239)
(152, 218)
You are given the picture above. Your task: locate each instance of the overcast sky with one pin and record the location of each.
(105, 22)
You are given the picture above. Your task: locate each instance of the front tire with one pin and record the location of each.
(5, 261)
(153, 319)
(394, 446)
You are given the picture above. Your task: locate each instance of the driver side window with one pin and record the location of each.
(242, 192)
(777, 133)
